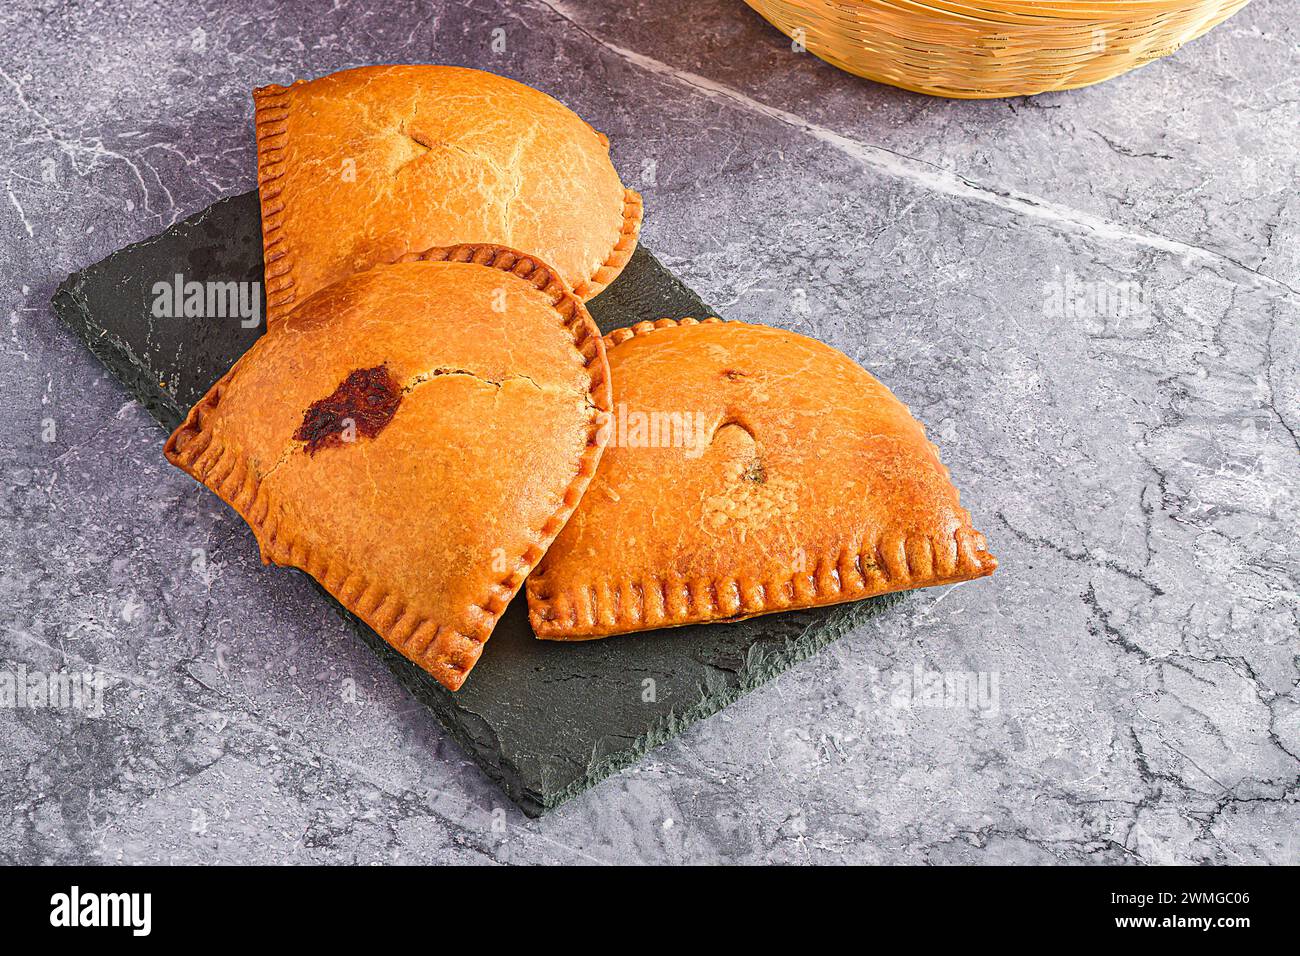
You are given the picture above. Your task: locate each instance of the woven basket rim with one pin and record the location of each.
(1029, 12)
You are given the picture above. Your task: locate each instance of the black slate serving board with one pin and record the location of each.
(545, 720)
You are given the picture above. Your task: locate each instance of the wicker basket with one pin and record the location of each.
(988, 48)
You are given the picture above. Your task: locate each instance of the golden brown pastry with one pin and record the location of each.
(370, 165)
(749, 470)
(413, 437)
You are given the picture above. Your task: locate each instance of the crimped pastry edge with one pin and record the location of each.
(271, 125)
(624, 246)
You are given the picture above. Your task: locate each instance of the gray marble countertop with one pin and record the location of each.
(1092, 299)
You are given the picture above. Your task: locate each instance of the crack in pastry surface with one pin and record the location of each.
(366, 401)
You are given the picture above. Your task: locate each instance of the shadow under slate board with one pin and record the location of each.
(545, 720)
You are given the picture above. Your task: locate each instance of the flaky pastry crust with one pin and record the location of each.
(414, 437)
(790, 478)
(362, 167)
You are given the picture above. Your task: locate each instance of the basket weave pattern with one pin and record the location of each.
(990, 48)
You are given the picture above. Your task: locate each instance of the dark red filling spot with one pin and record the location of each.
(362, 405)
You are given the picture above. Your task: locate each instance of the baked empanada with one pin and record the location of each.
(413, 436)
(371, 165)
(749, 470)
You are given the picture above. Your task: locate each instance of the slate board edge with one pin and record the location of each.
(70, 306)
(761, 666)
(489, 759)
